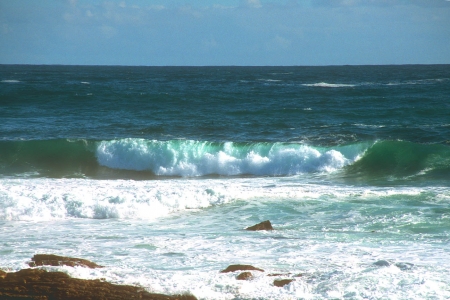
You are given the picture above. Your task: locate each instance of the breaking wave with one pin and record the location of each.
(133, 158)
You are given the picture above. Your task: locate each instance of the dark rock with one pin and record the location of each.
(39, 284)
(282, 282)
(382, 263)
(266, 225)
(232, 268)
(55, 260)
(245, 276)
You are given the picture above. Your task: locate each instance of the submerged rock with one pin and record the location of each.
(56, 260)
(40, 284)
(282, 282)
(266, 225)
(233, 268)
(245, 276)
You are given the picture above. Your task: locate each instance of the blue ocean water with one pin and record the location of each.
(155, 172)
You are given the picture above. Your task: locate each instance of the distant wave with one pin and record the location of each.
(142, 158)
(396, 83)
(10, 81)
(418, 82)
(328, 85)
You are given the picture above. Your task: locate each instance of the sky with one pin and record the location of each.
(220, 32)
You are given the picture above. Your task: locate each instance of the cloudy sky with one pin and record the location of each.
(224, 32)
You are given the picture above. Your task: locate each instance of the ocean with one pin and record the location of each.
(155, 172)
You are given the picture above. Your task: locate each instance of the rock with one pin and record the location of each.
(245, 276)
(404, 266)
(382, 263)
(232, 268)
(266, 225)
(282, 282)
(55, 260)
(2, 274)
(39, 284)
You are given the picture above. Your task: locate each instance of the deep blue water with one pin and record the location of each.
(62, 120)
(154, 172)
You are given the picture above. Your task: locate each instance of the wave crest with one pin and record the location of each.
(197, 158)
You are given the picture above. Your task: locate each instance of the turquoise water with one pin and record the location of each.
(155, 172)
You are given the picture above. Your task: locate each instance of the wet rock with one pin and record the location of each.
(282, 282)
(382, 263)
(245, 276)
(233, 268)
(42, 285)
(404, 266)
(56, 260)
(266, 225)
(2, 274)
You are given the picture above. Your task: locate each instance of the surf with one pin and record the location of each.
(135, 158)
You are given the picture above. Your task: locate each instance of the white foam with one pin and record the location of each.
(47, 199)
(10, 81)
(56, 199)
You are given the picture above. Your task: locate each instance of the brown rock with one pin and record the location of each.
(38, 284)
(55, 260)
(2, 274)
(245, 276)
(282, 282)
(266, 225)
(232, 268)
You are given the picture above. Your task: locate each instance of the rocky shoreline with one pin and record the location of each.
(39, 284)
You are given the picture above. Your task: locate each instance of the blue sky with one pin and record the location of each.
(219, 32)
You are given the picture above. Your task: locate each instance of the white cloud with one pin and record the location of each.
(254, 3)
(108, 31)
(5, 29)
(218, 6)
(279, 43)
(209, 43)
(189, 11)
(156, 7)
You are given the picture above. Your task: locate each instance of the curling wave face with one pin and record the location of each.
(133, 158)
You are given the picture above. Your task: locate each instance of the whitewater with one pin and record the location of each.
(155, 172)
